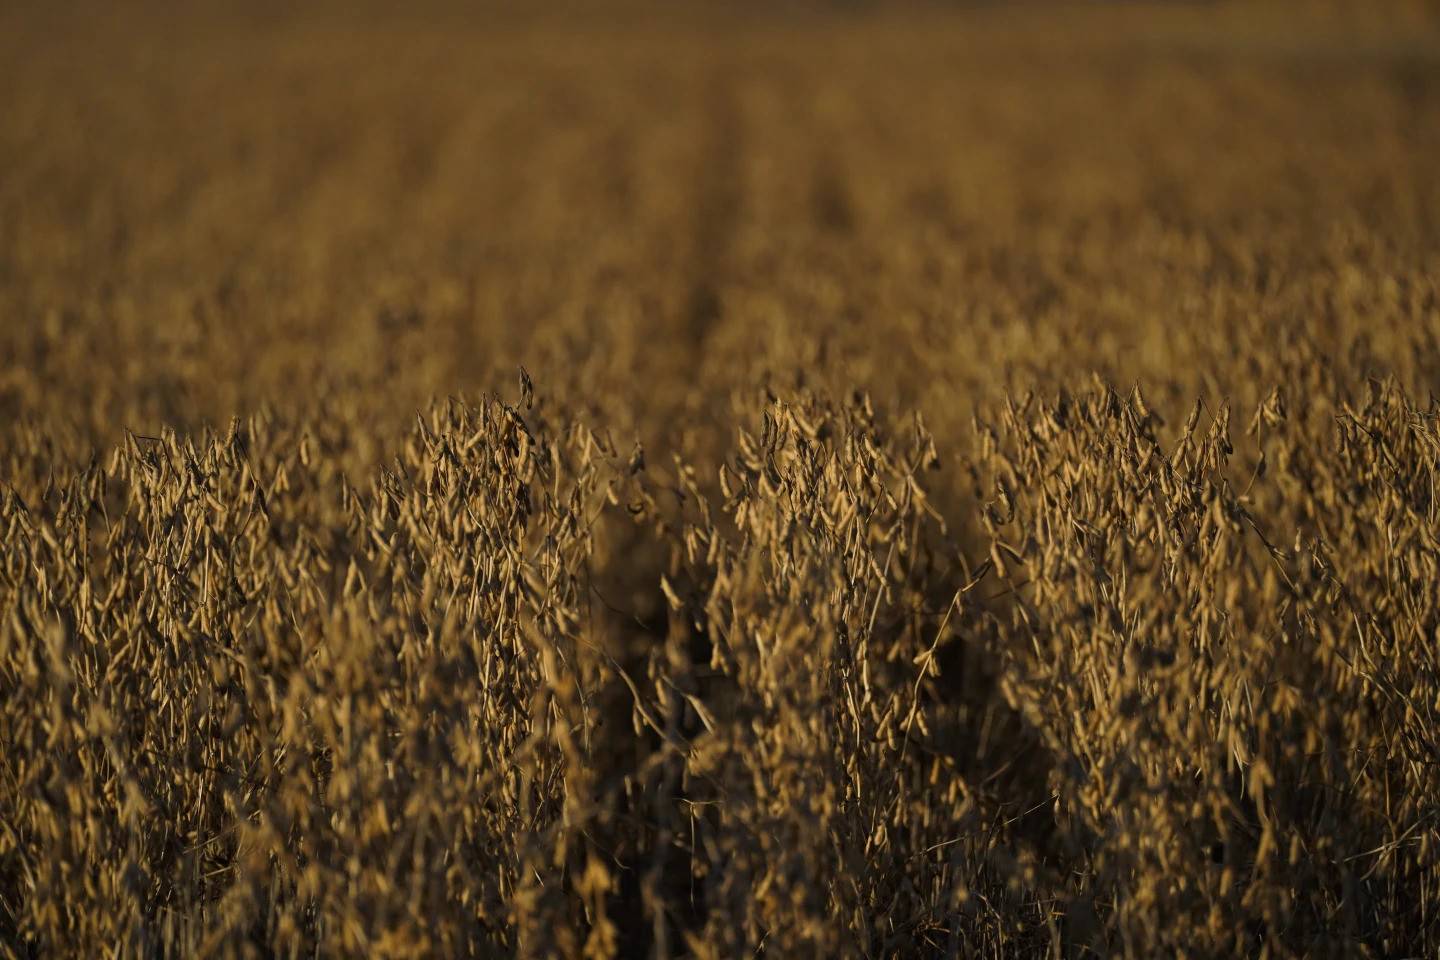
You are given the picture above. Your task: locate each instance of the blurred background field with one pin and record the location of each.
(206, 212)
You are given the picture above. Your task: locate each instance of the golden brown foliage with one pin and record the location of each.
(977, 496)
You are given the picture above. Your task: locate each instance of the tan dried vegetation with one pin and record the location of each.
(977, 496)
